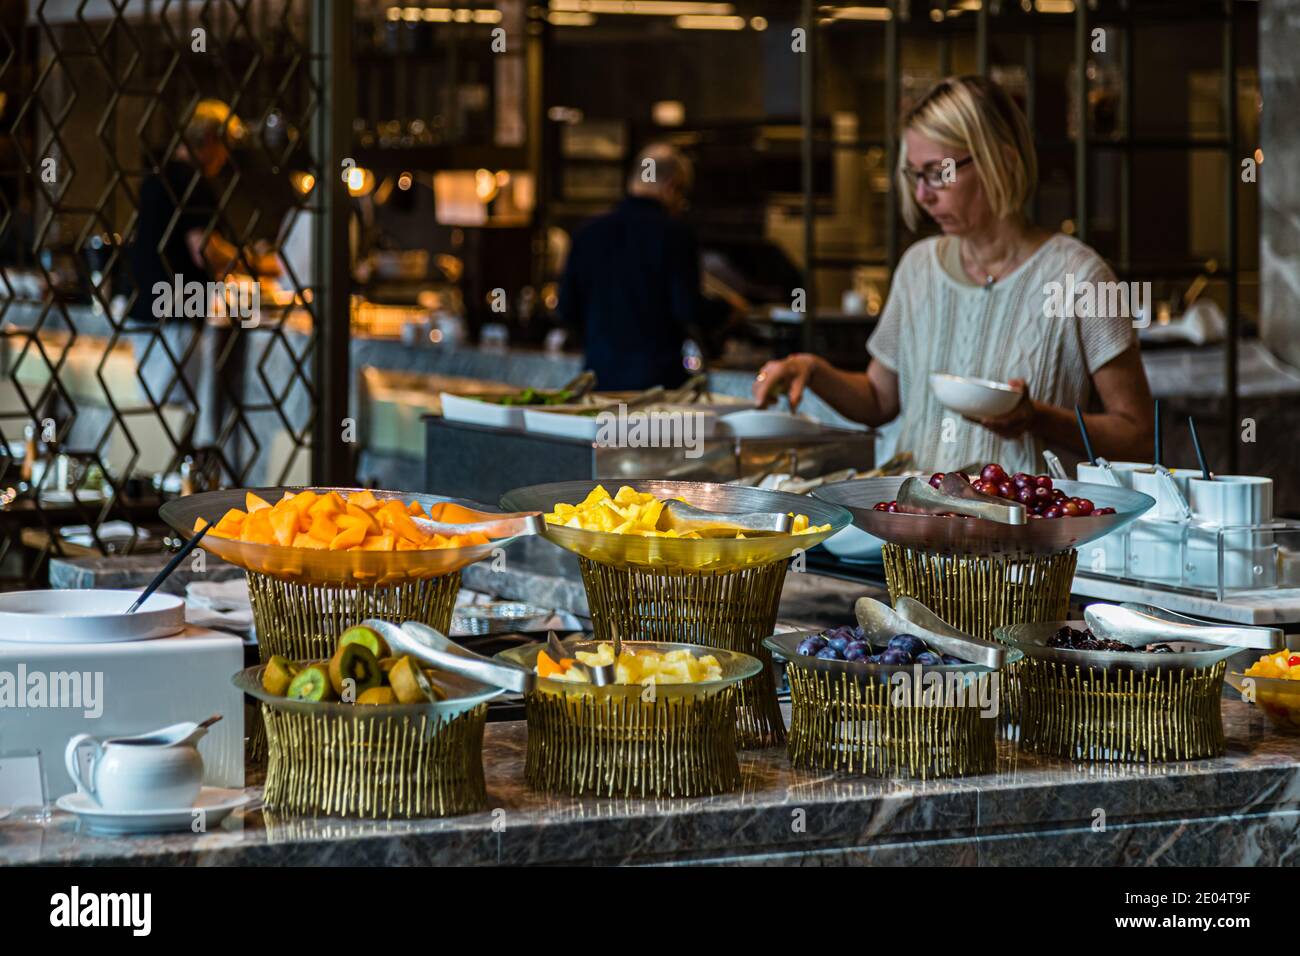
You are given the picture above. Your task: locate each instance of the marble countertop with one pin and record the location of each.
(1238, 809)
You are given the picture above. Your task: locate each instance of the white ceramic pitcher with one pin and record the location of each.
(160, 770)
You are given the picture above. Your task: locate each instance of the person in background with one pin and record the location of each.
(632, 280)
(971, 301)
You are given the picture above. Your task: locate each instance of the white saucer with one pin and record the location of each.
(215, 803)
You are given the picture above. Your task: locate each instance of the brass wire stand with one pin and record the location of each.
(731, 610)
(303, 622)
(1088, 714)
(978, 593)
(375, 767)
(623, 746)
(843, 723)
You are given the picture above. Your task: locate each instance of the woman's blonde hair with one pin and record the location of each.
(976, 116)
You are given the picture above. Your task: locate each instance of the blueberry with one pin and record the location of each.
(910, 643)
(895, 655)
(873, 658)
(838, 642)
(949, 659)
(809, 646)
(860, 645)
(928, 658)
(855, 652)
(860, 633)
(828, 654)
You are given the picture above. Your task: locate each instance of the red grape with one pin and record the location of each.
(1052, 512)
(993, 473)
(1025, 496)
(1085, 506)
(1070, 510)
(935, 479)
(1043, 481)
(1006, 490)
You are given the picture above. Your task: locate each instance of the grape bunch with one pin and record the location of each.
(851, 644)
(1035, 492)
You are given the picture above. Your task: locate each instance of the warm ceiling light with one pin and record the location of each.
(647, 8)
(410, 14)
(487, 16)
(394, 13)
(404, 182)
(437, 15)
(557, 19)
(710, 23)
(485, 185)
(758, 23)
(1054, 6)
(361, 181)
(861, 13)
(303, 182)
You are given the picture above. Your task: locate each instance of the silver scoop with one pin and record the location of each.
(878, 619)
(1142, 624)
(680, 517)
(600, 675)
(955, 496)
(1054, 466)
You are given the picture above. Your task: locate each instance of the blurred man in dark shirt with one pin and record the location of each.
(632, 282)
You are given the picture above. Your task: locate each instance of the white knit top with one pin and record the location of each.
(933, 322)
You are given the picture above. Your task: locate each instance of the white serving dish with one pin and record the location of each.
(1151, 483)
(973, 397)
(126, 688)
(78, 616)
(588, 427)
(211, 807)
(756, 423)
(473, 411)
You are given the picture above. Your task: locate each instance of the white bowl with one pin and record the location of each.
(761, 424)
(87, 616)
(973, 397)
(854, 544)
(474, 411)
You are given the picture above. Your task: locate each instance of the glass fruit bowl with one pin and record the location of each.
(306, 566)
(1277, 697)
(703, 554)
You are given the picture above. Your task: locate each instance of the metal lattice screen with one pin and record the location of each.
(110, 183)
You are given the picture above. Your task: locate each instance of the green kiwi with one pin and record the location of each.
(278, 675)
(311, 683)
(364, 635)
(357, 663)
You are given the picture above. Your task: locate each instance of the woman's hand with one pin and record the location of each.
(1017, 421)
(785, 376)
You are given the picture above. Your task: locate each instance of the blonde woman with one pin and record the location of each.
(971, 301)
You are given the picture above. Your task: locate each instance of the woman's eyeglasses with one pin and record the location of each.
(936, 175)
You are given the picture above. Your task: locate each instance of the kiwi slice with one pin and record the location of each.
(357, 663)
(311, 683)
(378, 695)
(364, 635)
(278, 675)
(409, 683)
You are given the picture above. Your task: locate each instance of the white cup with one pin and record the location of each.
(1151, 483)
(1231, 499)
(1122, 470)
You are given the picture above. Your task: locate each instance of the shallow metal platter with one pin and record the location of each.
(711, 554)
(979, 535)
(369, 568)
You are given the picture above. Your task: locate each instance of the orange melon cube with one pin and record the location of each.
(380, 542)
(400, 523)
(327, 504)
(416, 510)
(284, 525)
(404, 545)
(348, 538)
(304, 499)
(253, 503)
(257, 528)
(323, 529)
(356, 511)
(302, 540)
(365, 498)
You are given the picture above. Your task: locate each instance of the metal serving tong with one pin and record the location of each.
(913, 617)
(448, 518)
(600, 675)
(680, 517)
(955, 496)
(1142, 624)
(1054, 466)
(424, 643)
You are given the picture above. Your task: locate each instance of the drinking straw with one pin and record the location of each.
(1083, 430)
(1196, 443)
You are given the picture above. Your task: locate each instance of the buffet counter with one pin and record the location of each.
(1241, 808)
